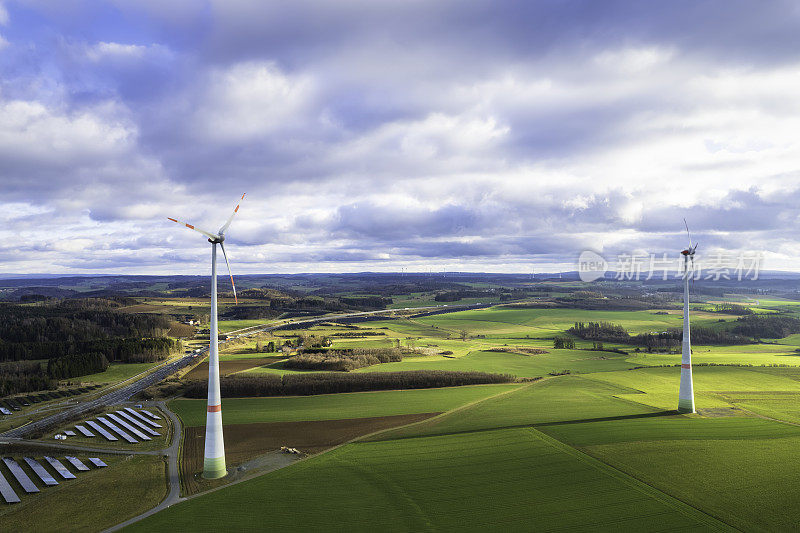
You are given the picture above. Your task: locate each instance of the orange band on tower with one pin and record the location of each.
(214, 408)
(686, 366)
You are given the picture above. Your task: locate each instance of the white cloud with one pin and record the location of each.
(103, 49)
(251, 99)
(3, 42)
(634, 59)
(33, 131)
(3, 15)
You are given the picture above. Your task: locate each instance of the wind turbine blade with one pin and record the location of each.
(687, 233)
(230, 219)
(204, 232)
(235, 299)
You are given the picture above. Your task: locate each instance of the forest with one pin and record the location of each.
(76, 337)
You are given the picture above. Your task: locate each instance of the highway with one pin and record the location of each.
(115, 396)
(138, 384)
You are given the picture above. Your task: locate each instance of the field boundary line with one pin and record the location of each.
(447, 413)
(635, 483)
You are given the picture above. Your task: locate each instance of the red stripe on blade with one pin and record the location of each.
(214, 408)
(189, 226)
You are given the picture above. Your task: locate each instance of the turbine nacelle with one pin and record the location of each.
(217, 238)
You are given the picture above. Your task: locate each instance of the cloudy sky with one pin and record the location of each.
(473, 136)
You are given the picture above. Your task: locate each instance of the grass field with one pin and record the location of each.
(515, 364)
(117, 372)
(600, 449)
(657, 387)
(335, 406)
(511, 479)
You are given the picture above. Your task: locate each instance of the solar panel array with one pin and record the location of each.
(143, 418)
(20, 475)
(40, 471)
(77, 463)
(59, 467)
(119, 421)
(114, 428)
(151, 415)
(8, 492)
(84, 431)
(141, 425)
(127, 423)
(95, 426)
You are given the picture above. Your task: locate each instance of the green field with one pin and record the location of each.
(336, 406)
(511, 479)
(515, 364)
(599, 449)
(118, 372)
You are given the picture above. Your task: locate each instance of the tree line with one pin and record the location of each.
(766, 326)
(343, 360)
(23, 376)
(126, 350)
(330, 383)
(669, 339)
(81, 364)
(601, 331)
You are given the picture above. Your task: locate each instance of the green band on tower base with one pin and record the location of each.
(214, 468)
(685, 406)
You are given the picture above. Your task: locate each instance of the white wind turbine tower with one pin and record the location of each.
(214, 459)
(686, 394)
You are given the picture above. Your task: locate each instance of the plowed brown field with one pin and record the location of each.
(246, 441)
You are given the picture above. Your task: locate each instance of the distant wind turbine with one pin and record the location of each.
(686, 394)
(214, 459)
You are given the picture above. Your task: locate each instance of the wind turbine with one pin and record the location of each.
(214, 459)
(686, 394)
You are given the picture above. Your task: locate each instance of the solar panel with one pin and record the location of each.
(143, 418)
(41, 471)
(97, 462)
(69, 433)
(95, 426)
(119, 431)
(77, 463)
(141, 425)
(151, 415)
(7, 492)
(22, 477)
(59, 467)
(86, 432)
(128, 427)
